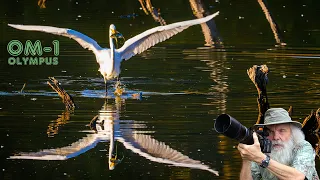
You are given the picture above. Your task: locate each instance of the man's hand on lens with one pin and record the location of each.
(251, 152)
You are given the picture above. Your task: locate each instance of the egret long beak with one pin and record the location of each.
(112, 165)
(116, 34)
(113, 162)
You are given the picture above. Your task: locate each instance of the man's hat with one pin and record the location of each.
(278, 116)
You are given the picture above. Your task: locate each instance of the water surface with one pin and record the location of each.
(184, 86)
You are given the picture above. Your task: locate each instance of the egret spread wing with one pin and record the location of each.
(149, 38)
(157, 151)
(73, 150)
(85, 41)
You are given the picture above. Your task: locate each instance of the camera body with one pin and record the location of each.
(265, 143)
(230, 127)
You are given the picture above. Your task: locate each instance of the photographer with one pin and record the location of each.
(291, 157)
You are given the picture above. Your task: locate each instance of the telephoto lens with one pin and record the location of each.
(230, 127)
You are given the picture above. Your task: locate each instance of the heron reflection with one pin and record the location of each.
(107, 127)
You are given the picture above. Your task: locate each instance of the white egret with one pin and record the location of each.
(110, 59)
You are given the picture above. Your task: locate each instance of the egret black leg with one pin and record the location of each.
(106, 86)
(118, 82)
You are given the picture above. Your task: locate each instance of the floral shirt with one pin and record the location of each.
(304, 161)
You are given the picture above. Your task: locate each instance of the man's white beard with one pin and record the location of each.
(283, 155)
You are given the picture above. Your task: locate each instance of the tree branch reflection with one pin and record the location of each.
(53, 127)
(217, 67)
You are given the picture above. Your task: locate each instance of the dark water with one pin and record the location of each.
(184, 87)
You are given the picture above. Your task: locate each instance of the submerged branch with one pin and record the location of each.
(273, 24)
(24, 85)
(258, 75)
(147, 6)
(66, 98)
(42, 3)
(311, 129)
(209, 29)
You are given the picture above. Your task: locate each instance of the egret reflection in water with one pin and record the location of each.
(107, 127)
